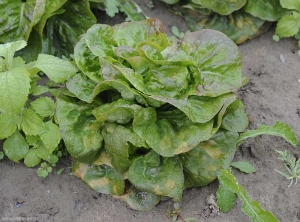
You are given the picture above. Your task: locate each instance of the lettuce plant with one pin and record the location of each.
(27, 123)
(146, 118)
(239, 20)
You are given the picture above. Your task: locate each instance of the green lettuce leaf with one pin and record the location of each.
(78, 129)
(118, 141)
(269, 10)
(202, 164)
(158, 175)
(103, 179)
(222, 7)
(170, 133)
(239, 26)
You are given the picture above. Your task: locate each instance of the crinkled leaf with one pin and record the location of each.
(269, 10)
(139, 200)
(86, 61)
(31, 123)
(15, 147)
(278, 129)
(32, 159)
(159, 175)
(202, 163)
(103, 179)
(51, 137)
(76, 17)
(199, 109)
(223, 7)
(99, 38)
(118, 142)
(290, 4)
(44, 106)
(225, 198)
(244, 166)
(235, 118)
(78, 129)
(218, 61)
(287, 26)
(7, 125)
(82, 86)
(14, 89)
(18, 18)
(250, 208)
(170, 133)
(58, 70)
(133, 33)
(239, 26)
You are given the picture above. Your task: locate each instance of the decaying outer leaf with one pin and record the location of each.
(202, 164)
(103, 179)
(139, 200)
(239, 26)
(222, 7)
(159, 175)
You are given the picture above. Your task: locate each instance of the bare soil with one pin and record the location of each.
(272, 93)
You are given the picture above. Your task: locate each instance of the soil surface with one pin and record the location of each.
(272, 93)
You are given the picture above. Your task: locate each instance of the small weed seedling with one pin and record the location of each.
(176, 216)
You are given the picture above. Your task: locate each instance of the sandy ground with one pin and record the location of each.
(273, 93)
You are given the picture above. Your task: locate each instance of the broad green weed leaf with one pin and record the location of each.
(244, 166)
(51, 137)
(287, 26)
(15, 147)
(32, 159)
(139, 200)
(7, 125)
(202, 163)
(250, 208)
(40, 90)
(225, 198)
(58, 70)
(290, 4)
(103, 179)
(159, 175)
(223, 7)
(9, 48)
(269, 10)
(31, 123)
(44, 106)
(278, 129)
(14, 89)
